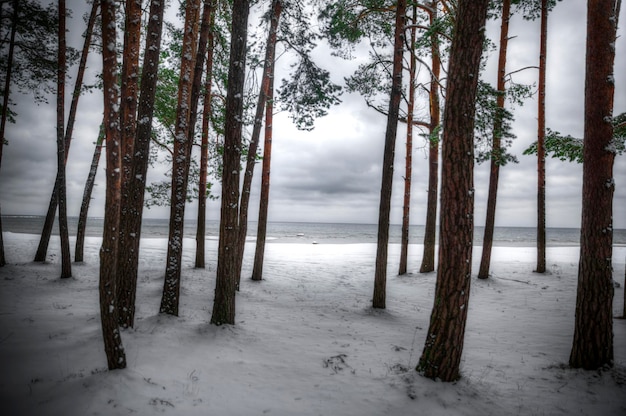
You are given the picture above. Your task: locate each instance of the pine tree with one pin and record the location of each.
(181, 156)
(441, 356)
(592, 347)
(380, 277)
(109, 253)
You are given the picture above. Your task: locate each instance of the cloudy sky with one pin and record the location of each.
(333, 173)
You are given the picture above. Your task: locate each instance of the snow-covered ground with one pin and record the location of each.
(306, 342)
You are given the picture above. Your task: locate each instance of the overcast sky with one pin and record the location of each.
(333, 173)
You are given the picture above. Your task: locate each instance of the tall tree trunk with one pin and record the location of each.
(84, 206)
(541, 147)
(268, 73)
(204, 148)
(444, 341)
(430, 230)
(592, 347)
(116, 357)
(226, 280)
(5, 106)
(180, 169)
(380, 276)
(66, 262)
(129, 236)
(139, 165)
(496, 145)
(42, 248)
(408, 164)
(261, 234)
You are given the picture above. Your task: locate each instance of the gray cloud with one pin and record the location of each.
(332, 173)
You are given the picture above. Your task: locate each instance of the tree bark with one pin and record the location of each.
(5, 106)
(204, 149)
(226, 280)
(116, 357)
(42, 249)
(66, 262)
(380, 276)
(180, 169)
(496, 145)
(138, 165)
(268, 74)
(592, 347)
(408, 164)
(84, 206)
(430, 229)
(541, 147)
(444, 341)
(261, 234)
(128, 122)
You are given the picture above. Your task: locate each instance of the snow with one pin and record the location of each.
(306, 340)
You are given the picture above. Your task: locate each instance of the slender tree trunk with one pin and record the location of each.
(444, 341)
(408, 165)
(204, 149)
(66, 262)
(5, 106)
(226, 280)
(261, 234)
(541, 147)
(380, 277)
(268, 73)
(139, 165)
(42, 249)
(84, 206)
(116, 357)
(430, 229)
(592, 347)
(496, 145)
(180, 169)
(128, 121)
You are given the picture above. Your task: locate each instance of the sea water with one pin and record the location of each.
(321, 233)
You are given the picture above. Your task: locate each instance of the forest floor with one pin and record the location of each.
(306, 339)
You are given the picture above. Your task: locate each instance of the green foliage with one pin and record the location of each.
(34, 67)
(568, 148)
(308, 93)
(344, 23)
(492, 120)
(531, 9)
(560, 147)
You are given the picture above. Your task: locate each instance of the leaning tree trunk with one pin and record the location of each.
(5, 106)
(180, 168)
(592, 347)
(430, 229)
(116, 357)
(408, 163)
(226, 279)
(444, 340)
(380, 276)
(496, 145)
(42, 248)
(268, 73)
(139, 165)
(261, 234)
(128, 122)
(541, 147)
(66, 262)
(204, 148)
(84, 206)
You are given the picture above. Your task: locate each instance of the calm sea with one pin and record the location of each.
(295, 232)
